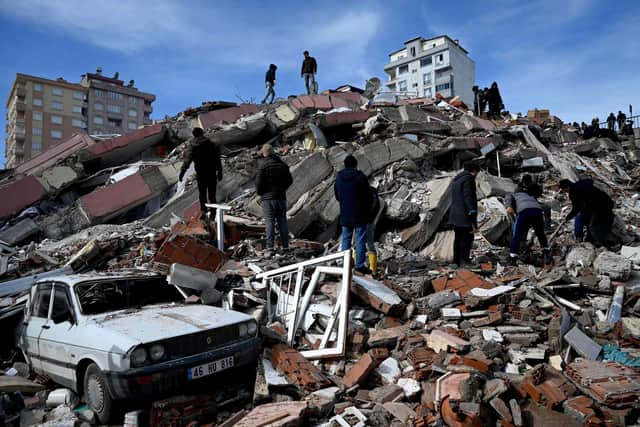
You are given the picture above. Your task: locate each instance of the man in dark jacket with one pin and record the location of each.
(272, 182)
(355, 197)
(529, 214)
(270, 82)
(463, 214)
(205, 156)
(495, 101)
(622, 119)
(308, 72)
(595, 207)
(611, 121)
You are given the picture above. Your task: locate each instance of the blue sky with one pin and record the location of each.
(579, 58)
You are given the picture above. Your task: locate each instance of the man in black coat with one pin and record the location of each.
(308, 72)
(355, 197)
(272, 182)
(463, 214)
(270, 82)
(495, 101)
(595, 208)
(205, 156)
(621, 119)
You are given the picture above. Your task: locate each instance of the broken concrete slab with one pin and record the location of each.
(359, 371)
(389, 370)
(613, 265)
(190, 251)
(488, 185)
(279, 414)
(439, 341)
(378, 295)
(582, 344)
(19, 232)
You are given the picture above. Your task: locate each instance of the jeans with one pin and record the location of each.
(270, 92)
(361, 242)
(309, 80)
(206, 187)
(462, 244)
(275, 211)
(526, 219)
(578, 225)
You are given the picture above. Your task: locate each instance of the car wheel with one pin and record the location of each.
(97, 394)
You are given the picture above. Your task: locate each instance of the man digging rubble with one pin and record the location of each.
(272, 181)
(354, 195)
(205, 155)
(463, 214)
(596, 210)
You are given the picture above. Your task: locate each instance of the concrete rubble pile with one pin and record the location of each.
(422, 342)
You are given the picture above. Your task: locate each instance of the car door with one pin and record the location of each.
(36, 323)
(57, 341)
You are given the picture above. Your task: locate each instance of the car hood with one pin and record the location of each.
(159, 322)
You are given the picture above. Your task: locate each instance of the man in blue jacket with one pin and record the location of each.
(352, 192)
(463, 214)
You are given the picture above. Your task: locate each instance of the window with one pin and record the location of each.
(36, 147)
(56, 120)
(41, 301)
(133, 113)
(37, 87)
(427, 93)
(425, 62)
(403, 69)
(114, 123)
(115, 95)
(37, 115)
(97, 120)
(57, 105)
(56, 91)
(132, 125)
(114, 108)
(413, 51)
(36, 131)
(77, 123)
(133, 100)
(61, 309)
(426, 78)
(442, 87)
(77, 109)
(78, 95)
(440, 59)
(402, 86)
(98, 106)
(56, 134)
(442, 73)
(37, 102)
(99, 93)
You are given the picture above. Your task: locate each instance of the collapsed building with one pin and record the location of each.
(421, 343)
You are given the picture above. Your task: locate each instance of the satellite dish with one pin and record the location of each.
(372, 87)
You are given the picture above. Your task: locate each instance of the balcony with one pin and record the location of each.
(21, 91)
(20, 134)
(20, 106)
(147, 107)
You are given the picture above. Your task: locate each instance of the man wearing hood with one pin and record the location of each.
(463, 214)
(270, 82)
(205, 156)
(354, 195)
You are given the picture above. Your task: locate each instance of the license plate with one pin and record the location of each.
(210, 368)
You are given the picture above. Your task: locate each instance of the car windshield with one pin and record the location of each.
(120, 294)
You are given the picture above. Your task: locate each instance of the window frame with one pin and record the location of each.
(57, 132)
(36, 100)
(55, 116)
(57, 91)
(34, 133)
(55, 104)
(41, 287)
(33, 116)
(37, 87)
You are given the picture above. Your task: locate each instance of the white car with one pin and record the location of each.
(111, 337)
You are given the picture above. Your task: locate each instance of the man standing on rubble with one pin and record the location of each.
(272, 181)
(308, 72)
(622, 119)
(205, 155)
(528, 213)
(270, 82)
(463, 215)
(611, 121)
(495, 101)
(595, 207)
(355, 197)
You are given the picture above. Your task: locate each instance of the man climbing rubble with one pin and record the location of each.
(270, 82)
(463, 215)
(354, 195)
(272, 181)
(308, 73)
(595, 208)
(205, 155)
(528, 213)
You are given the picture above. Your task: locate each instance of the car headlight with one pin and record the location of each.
(252, 328)
(242, 330)
(139, 356)
(156, 352)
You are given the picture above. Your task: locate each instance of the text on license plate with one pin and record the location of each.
(210, 368)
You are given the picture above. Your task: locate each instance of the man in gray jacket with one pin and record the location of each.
(528, 213)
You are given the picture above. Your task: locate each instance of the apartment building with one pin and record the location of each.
(424, 67)
(43, 112)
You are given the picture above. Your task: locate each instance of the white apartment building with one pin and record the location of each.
(425, 67)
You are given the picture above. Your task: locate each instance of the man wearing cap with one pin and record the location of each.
(272, 182)
(205, 156)
(354, 195)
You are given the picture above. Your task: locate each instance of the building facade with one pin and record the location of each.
(425, 67)
(42, 112)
